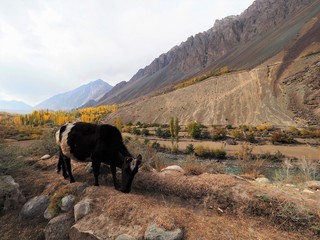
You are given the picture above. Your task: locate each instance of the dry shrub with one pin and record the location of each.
(193, 166)
(250, 166)
(308, 167)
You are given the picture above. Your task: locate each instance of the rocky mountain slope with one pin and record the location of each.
(283, 90)
(239, 42)
(77, 97)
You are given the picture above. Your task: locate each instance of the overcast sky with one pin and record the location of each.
(53, 46)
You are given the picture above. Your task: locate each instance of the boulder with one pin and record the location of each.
(154, 232)
(35, 207)
(67, 202)
(59, 227)
(172, 170)
(81, 209)
(10, 194)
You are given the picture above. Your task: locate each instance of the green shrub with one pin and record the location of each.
(194, 129)
(190, 148)
(206, 152)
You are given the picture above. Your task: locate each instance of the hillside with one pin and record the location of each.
(239, 42)
(77, 97)
(206, 206)
(283, 90)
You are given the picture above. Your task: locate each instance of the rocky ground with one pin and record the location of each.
(166, 205)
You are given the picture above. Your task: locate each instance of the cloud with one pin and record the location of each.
(48, 47)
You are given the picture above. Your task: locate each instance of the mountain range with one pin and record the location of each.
(14, 106)
(272, 50)
(77, 97)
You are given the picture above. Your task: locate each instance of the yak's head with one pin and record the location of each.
(129, 169)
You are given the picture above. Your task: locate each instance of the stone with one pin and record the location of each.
(262, 180)
(76, 233)
(35, 207)
(81, 209)
(172, 170)
(10, 195)
(47, 215)
(154, 232)
(67, 202)
(125, 237)
(307, 191)
(45, 157)
(59, 227)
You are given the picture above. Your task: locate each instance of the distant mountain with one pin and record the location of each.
(92, 91)
(14, 106)
(238, 42)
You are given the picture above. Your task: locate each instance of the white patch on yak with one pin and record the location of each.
(133, 164)
(64, 141)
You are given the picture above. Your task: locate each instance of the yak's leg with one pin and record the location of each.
(62, 164)
(96, 171)
(67, 161)
(114, 176)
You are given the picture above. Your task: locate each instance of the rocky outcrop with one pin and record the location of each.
(10, 195)
(243, 41)
(303, 93)
(58, 228)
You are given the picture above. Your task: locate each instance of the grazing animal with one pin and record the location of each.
(82, 141)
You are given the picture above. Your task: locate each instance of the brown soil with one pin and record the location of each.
(205, 207)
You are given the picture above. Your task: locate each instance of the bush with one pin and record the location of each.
(156, 145)
(145, 132)
(194, 129)
(206, 152)
(190, 148)
(279, 137)
(218, 134)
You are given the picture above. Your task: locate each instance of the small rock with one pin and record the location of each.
(290, 185)
(47, 215)
(153, 232)
(172, 170)
(45, 157)
(125, 237)
(81, 209)
(58, 228)
(262, 180)
(67, 202)
(35, 207)
(308, 191)
(10, 195)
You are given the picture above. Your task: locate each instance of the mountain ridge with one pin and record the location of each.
(77, 97)
(214, 48)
